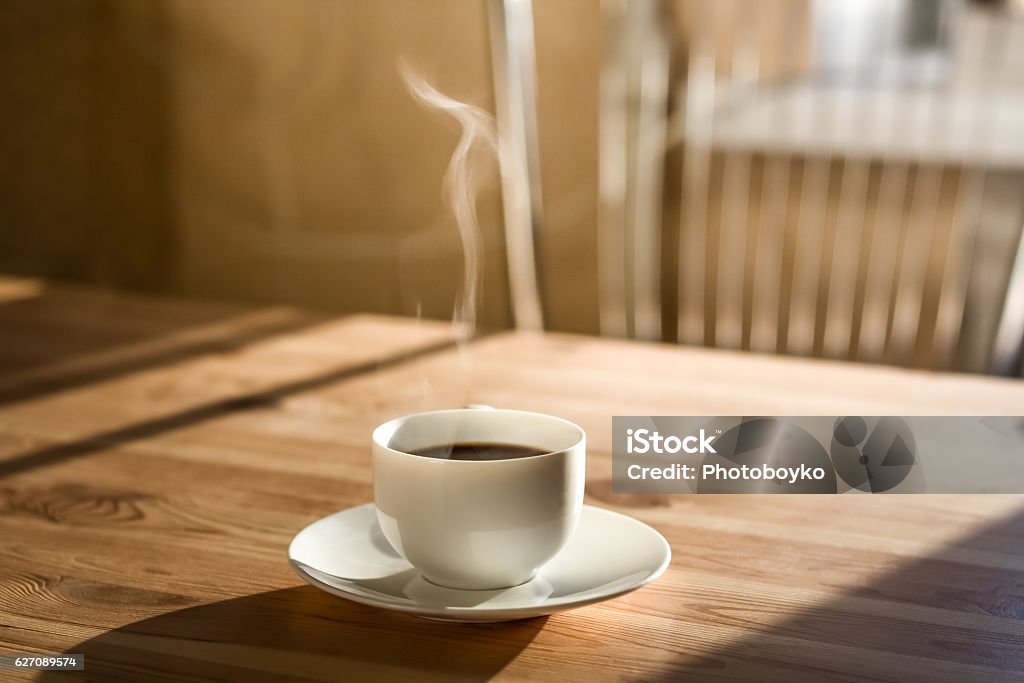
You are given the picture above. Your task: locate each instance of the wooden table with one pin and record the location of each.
(157, 456)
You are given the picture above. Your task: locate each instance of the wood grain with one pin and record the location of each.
(159, 551)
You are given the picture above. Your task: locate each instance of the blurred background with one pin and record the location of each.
(830, 178)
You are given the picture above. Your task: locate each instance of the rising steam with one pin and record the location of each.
(461, 183)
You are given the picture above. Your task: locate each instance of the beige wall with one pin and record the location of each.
(83, 129)
(306, 172)
(269, 151)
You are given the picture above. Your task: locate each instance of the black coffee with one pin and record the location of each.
(479, 451)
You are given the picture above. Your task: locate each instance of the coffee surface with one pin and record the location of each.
(479, 451)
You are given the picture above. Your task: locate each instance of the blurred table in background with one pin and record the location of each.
(156, 457)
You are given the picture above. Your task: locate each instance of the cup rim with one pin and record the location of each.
(391, 424)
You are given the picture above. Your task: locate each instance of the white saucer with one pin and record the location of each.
(610, 554)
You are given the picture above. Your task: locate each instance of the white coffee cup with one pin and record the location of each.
(478, 524)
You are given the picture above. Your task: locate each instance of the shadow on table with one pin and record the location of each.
(299, 634)
(144, 429)
(66, 337)
(925, 620)
(61, 338)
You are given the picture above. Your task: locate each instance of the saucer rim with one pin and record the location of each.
(479, 613)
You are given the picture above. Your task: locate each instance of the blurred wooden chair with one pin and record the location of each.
(855, 200)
